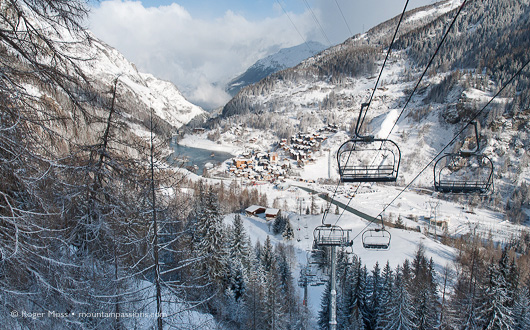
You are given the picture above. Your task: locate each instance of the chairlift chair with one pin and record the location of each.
(464, 172)
(377, 238)
(331, 235)
(368, 159)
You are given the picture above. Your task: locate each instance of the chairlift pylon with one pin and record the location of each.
(464, 172)
(377, 238)
(368, 159)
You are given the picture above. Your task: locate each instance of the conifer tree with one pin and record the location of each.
(374, 295)
(521, 310)
(267, 255)
(239, 248)
(423, 291)
(288, 232)
(323, 313)
(344, 291)
(496, 312)
(401, 314)
(209, 238)
(387, 278)
(255, 297)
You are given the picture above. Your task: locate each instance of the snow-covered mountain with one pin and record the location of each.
(143, 89)
(283, 59)
(482, 51)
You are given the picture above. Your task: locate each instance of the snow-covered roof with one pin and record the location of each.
(254, 208)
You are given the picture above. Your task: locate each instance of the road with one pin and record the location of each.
(348, 208)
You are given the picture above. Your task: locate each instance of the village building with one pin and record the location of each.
(271, 214)
(255, 210)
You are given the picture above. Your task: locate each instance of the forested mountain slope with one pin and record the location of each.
(285, 58)
(78, 161)
(483, 50)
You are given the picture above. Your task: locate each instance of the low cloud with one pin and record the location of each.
(209, 95)
(200, 56)
(192, 53)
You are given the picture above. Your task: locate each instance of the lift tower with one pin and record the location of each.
(332, 236)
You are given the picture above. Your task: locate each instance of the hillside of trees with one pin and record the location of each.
(487, 289)
(89, 219)
(489, 38)
(485, 47)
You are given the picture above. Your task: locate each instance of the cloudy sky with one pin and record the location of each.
(200, 45)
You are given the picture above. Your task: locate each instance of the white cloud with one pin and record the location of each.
(360, 15)
(198, 56)
(209, 95)
(169, 43)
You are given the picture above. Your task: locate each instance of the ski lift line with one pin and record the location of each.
(458, 133)
(368, 105)
(427, 67)
(377, 239)
(318, 23)
(294, 25)
(482, 184)
(359, 123)
(344, 18)
(384, 62)
(441, 151)
(421, 77)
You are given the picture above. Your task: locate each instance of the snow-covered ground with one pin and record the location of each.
(403, 245)
(413, 206)
(372, 199)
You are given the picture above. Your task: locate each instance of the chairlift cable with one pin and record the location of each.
(453, 139)
(371, 97)
(318, 23)
(427, 67)
(384, 62)
(421, 77)
(437, 155)
(344, 18)
(424, 72)
(294, 25)
(458, 133)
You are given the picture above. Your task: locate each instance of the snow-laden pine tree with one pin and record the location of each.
(288, 232)
(521, 309)
(374, 295)
(400, 316)
(423, 291)
(274, 307)
(323, 312)
(344, 290)
(497, 312)
(387, 279)
(267, 255)
(239, 248)
(213, 243)
(254, 297)
(293, 317)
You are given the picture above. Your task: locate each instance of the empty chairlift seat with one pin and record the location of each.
(464, 172)
(368, 159)
(377, 238)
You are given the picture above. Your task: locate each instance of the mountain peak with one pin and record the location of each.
(283, 59)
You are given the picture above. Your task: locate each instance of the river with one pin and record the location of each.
(190, 157)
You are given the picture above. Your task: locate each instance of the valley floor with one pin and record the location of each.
(413, 208)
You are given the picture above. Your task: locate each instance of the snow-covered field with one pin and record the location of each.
(413, 206)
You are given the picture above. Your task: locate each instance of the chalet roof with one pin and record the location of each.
(243, 159)
(271, 211)
(254, 208)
